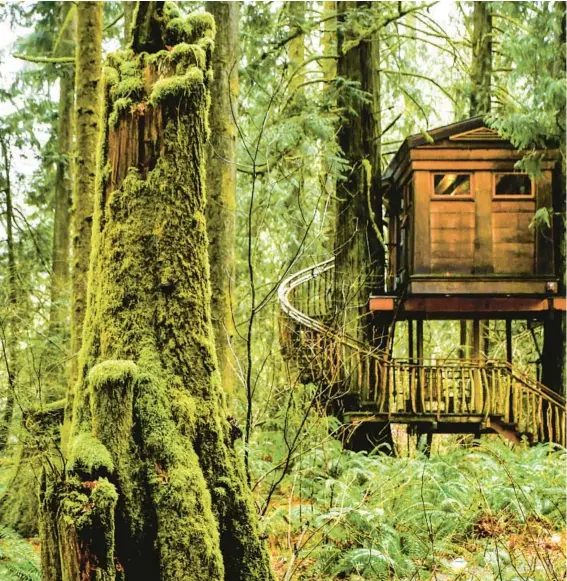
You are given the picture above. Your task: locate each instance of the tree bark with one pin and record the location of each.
(481, 67)
(9, 331)
(60, 275)
(359, 252)
(221, 183)
(88, 71)
(128, 19)
(154, 487)
(554, 339)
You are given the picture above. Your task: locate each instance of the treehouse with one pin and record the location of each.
(463, 244)
(461, 229)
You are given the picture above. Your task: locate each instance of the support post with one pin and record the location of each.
(509, 341)
(476, 340)
(463, 348)
(419, 341)
(410, 342)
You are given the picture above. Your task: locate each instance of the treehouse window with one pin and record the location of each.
(513, 184)
(452, 185)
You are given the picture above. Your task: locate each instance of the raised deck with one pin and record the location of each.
(441, 396)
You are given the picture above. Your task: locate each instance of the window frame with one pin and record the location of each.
(515, 197)
(439, 197)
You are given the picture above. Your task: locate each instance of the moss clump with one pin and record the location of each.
(89, 457)
(184, 55)
(120, 106)
(177, 87)
(132, 87)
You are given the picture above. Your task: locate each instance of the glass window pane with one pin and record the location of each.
(511, 184)
(452, 184)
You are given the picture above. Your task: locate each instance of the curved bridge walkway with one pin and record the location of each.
(448, 396)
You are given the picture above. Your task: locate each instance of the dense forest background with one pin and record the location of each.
(280, 94)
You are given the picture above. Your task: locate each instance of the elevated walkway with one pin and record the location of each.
(448, 396)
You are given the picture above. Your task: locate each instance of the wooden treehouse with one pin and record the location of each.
(462, 247)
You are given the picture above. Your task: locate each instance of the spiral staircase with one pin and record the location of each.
(448, 396)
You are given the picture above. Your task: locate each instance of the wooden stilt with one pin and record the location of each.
(410, 342)
(509, 341)
(476, 340)
(419, 331)
(463, 340)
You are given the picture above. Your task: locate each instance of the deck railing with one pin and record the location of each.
(447, 390)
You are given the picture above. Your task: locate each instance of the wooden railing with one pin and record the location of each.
(403, 390)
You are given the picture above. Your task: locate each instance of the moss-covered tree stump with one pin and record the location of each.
(153, 487)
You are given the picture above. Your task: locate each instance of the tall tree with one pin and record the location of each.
(60, 272)
(481, 66)
(88, 71)
(154, 487)
(9, 336)
(480, 100)
(359, 250)
(221, 183)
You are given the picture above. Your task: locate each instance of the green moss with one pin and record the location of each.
(202, 25)
(132, 87)
(188, 54)
(177, 87)
(88, 456)
(120, 106)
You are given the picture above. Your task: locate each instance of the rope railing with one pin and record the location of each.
(439, 390)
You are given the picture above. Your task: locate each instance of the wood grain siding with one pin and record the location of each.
(483, 223)
(452, 231)
(544, 235)
(421, 231)
(513, 241)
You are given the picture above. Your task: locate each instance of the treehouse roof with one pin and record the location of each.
(470, 134)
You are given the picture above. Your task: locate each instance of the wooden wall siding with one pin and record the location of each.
(514, 248)
(452, 234)
(544, 238)
(421, 230)
(483, 256)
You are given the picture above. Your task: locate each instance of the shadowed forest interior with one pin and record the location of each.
(283, 291)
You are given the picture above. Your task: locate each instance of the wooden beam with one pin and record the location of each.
(475, 305)
(382, 304)
(560, 303)
(410, 341)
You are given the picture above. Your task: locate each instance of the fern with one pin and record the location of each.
(18, 560)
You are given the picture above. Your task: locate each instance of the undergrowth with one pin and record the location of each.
(482, 513)
(19, 561)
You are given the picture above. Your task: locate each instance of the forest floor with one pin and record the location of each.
(483, 513)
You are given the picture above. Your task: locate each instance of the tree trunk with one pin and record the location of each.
(88, 71)
(60, 275)
(481, 67)
(221, 183)
(154, 488)
(359, 252)
(554, 339)
(128, 17)
(9, 331)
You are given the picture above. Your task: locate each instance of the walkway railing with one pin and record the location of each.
(448, 390)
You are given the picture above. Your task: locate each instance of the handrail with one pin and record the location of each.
(448, 387)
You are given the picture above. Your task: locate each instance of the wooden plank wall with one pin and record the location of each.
(482, 235)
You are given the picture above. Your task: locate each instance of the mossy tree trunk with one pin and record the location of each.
(154, 488)
(60, 273)
(129, 8)
(88, 71)
(221, 183)
(9, 337)
(359, 252)
(481, 65)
